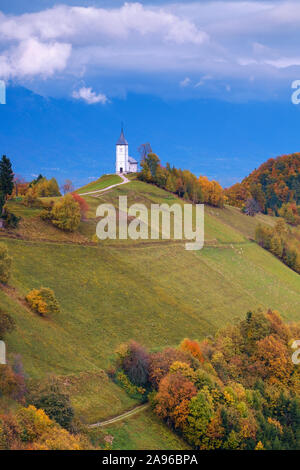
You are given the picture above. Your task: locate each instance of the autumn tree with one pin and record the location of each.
(150, 164)
(135, 363)
(212, 192)
(273, 361)
(254, 328)
(84, 207)
(67, 187)
(252, 207)
(11, 384)
(66, 214)
(19, 185)
(144, 150)
(43, 301)
(30, 199)
(46, 188)
(192, 347)
(173, 398)
(161, 361)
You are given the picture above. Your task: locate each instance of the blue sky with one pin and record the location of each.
(207, 83)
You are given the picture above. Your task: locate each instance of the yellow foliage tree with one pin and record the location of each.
(66, 214)
(42, 301)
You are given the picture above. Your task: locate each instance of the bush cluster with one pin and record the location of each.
(43, 301)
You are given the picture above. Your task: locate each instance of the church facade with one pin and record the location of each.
(124, 163)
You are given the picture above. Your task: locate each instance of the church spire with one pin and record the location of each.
(122, 140)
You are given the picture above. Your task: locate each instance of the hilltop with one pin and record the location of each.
(155, 292)
(274, 183)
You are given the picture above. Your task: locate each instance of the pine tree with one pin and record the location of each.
(6, 177)
(2, 202)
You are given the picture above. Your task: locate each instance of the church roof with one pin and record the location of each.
(122, 140)
(132, 160)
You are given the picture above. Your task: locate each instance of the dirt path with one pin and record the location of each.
(14, 294)
(128, 414)
(90, 193)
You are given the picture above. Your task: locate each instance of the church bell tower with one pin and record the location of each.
(122, 154)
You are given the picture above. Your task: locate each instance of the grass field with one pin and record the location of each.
(141, 431)
(156, 293)
(101, 183)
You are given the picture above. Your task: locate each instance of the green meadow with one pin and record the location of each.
(141, 431)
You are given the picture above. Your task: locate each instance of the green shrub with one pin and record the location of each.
(7, 324)
(132, 390)
(51, 398)
(5, 264)
(43, 301)
(10, 219)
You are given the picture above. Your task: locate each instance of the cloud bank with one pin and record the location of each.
(246, 48)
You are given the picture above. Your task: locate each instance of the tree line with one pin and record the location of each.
(181, 182)
(280, 241)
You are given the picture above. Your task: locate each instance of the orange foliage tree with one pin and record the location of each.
(192, 347)
(84, 207)
(160, 363)
(173, 398)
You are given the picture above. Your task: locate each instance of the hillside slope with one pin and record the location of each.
(154, 292)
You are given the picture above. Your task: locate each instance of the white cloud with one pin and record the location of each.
(203, 80)
(33, 57)
(284, 62)
(89, 96)
(131, 37)
(142, 47)
(185, 82)
(89, 22)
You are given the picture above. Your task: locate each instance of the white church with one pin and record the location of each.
(124, 163)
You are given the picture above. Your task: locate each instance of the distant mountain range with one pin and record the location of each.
(67, 138)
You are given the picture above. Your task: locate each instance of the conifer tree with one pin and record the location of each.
(6, 177)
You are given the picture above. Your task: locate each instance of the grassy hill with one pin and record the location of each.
(154, 292)
(103, 182)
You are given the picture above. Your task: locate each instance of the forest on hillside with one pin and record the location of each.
(181, 182)
(236, 390)
(273, 185)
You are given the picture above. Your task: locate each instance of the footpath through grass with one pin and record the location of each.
(143, 430)
(101, 183)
